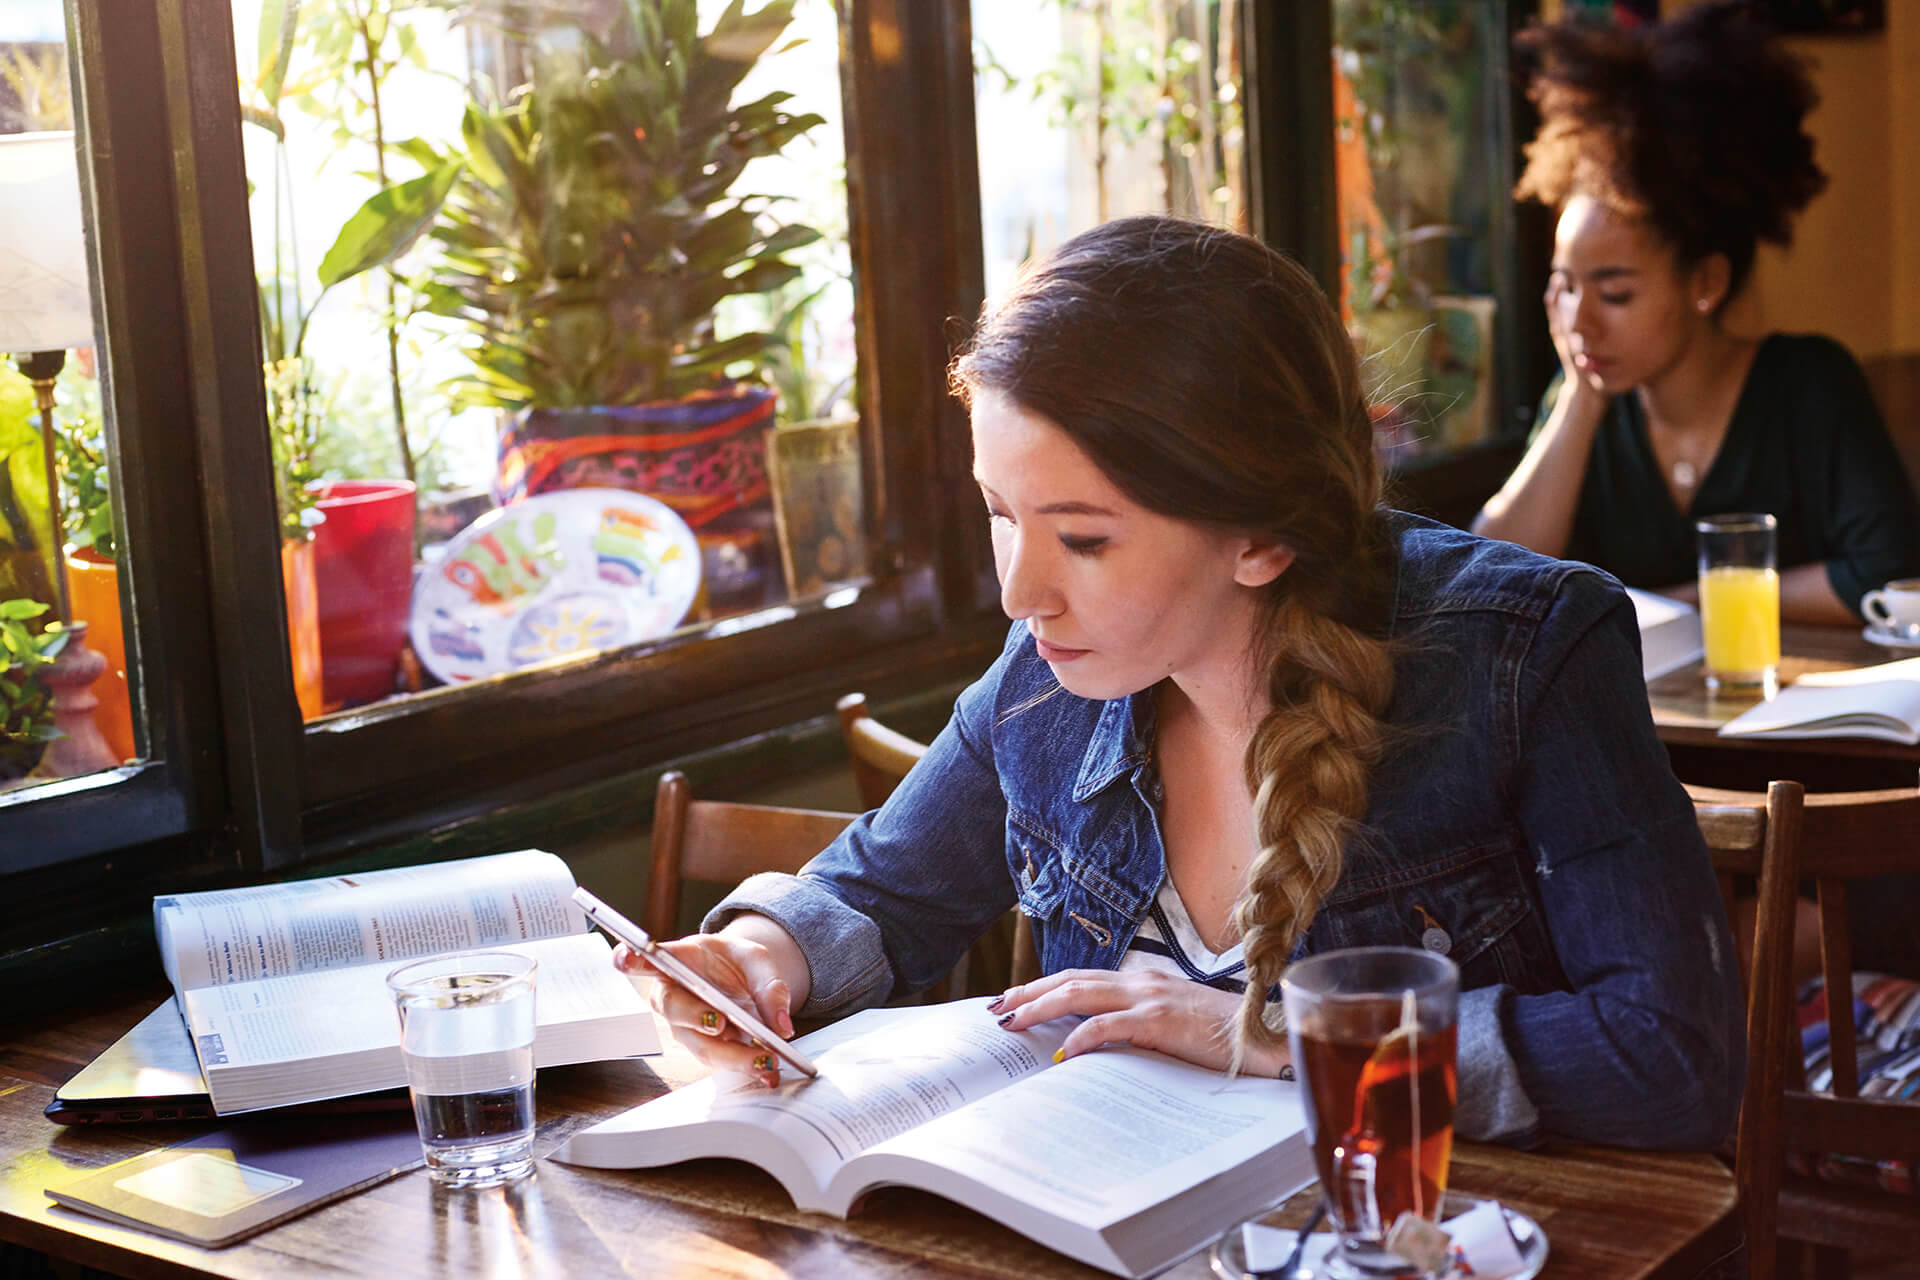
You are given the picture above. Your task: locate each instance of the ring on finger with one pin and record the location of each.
(763, 1063)
(709, 1020)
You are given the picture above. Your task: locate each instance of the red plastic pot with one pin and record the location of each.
(363, 572)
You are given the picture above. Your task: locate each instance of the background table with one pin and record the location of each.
(1687, 716)
(1612, 1214)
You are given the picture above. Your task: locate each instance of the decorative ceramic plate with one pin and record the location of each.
(557, 576)
(1228, 1256)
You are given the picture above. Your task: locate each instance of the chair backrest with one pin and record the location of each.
(1758, 836)
(881, 756)
(723, 841)
(1840, 836)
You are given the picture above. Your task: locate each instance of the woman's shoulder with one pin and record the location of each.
(1443, 571)
(1805, 356)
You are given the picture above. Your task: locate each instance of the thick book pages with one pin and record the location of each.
(283, 987)
(1670, 635)
(1124, 1159)
(223, 1186)
(262, 1045)
(1865, 702)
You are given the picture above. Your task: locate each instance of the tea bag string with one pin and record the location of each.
(1410, 1028)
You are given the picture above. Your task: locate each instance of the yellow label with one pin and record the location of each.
(1740, 615)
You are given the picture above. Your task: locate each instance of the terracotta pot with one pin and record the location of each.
(303, 624)
(93, 582)
(363, 567)
(704, 456)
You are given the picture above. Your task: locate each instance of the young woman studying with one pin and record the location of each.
(1670, 151)
(1245, 713)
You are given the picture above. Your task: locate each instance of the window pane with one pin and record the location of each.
(538, 282)
(1417, 157)
(1093, 109)
(61, 636)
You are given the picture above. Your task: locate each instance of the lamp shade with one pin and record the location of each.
(44, 298)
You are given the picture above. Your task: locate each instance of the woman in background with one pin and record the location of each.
(1245, 713)
(1670, 151)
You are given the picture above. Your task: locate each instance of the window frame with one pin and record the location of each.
(242, 786)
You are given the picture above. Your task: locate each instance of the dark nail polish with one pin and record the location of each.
(993, 1005)
(1006, 1019)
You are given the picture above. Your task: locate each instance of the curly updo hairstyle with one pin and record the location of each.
(1211, 381)
(1694, 124)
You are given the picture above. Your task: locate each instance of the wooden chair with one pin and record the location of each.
(1758, 836)
(718, 840)
(1005, 956)
(1841, 836)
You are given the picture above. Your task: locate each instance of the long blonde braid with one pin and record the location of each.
(1308, 767)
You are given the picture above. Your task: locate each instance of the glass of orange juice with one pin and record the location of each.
(1740, 599)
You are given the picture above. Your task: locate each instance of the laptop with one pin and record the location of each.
(151, 1074)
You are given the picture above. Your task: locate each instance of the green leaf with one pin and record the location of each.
(275, 44)
(22, 609)
(387, 224)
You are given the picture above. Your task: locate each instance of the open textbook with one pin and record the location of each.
(283, 986)
(1122, 1158)
(1864, 702)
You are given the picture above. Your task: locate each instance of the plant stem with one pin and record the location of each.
(380, 170)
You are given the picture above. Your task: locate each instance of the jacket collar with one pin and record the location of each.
(1122, 741)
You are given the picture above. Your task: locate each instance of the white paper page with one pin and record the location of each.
(313, 1015)
(882, 1071)
(1107, 1134)
(1799, 709)
(266, 931)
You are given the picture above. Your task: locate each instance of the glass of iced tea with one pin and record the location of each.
(1372, 1031)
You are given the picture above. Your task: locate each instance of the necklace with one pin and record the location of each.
(1684, 475)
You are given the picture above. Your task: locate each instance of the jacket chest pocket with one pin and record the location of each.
(1477, 907)
(1071, 929)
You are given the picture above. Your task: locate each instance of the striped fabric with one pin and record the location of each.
(1168, 941)
(1886, 1020)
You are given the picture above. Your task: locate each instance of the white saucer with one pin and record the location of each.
(1890, 639)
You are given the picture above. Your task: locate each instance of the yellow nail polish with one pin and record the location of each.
(1059, 1055)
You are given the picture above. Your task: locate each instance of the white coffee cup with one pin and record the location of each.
(1894, 607)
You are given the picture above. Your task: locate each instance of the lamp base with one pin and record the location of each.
(69, 680)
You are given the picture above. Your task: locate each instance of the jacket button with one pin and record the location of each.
(1435, 939)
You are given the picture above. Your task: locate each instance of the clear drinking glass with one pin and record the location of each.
(1372, 1031)
(1740, 599)
(466, 1031)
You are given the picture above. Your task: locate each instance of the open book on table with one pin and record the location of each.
(1670, 635)
(1864, 702)
(1122, 1158)
(283, 986)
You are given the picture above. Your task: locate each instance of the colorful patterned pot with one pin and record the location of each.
(704, 456)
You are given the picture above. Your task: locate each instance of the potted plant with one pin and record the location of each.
(585, 248)
(26, 704)
(293, 421)
(93, 568)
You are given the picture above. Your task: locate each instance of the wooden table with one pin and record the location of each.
(1687, 716)
(1612, 1214)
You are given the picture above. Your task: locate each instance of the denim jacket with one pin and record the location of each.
(1524, 820)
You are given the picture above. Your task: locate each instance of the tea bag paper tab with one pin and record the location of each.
(1482, 1236)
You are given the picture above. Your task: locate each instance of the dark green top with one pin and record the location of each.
(1806, 443)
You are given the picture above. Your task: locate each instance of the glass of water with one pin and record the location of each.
(466, 1032)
